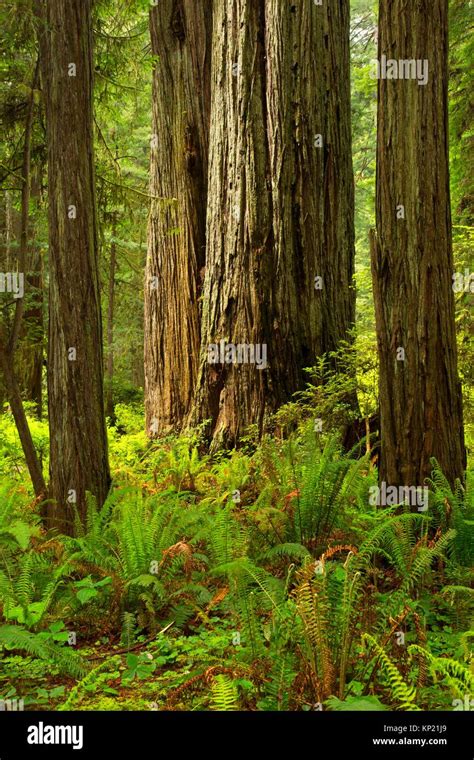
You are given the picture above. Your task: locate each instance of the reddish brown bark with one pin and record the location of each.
(412, 264)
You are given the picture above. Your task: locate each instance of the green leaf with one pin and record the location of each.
(85, 594)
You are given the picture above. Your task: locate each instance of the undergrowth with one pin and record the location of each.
(260, 579)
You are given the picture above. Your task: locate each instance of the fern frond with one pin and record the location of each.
(224, 694)
(88, 681)
(67, 661)
(456, 675)
(312, 603)
(424, 559)
(401, 692)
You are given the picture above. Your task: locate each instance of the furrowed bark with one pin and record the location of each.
(280, 206)
(78, 442)
(180, 36)
(412, 263)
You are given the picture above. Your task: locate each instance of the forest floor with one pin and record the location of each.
(260, 579)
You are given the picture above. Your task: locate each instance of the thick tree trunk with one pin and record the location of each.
(280, 206)
(78, 442)
(180, 36)
(420, 394)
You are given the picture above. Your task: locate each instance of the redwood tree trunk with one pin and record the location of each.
(412, 265)
(180, 36)
(280, 205)
(78, 442)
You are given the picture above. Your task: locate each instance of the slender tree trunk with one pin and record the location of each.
(8, 224)
(109, 406)
(29, 364)
(412, 265)
(21, 422)
(180, 36)
(25, 213)
(28, 356)
(78, 442)
(6, 266)
(31, 347)
(280, 239)
(8, 343)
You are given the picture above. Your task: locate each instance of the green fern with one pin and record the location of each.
(454, 673)
(224, 694)
(88, 681)
(313, 603)
(279, 683)
(328, 482)
(28, 593)
(228, 539)
(66, 660)
(454, 508)
(403, 694)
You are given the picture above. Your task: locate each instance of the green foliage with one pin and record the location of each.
(12, 461)
(13, 637)
(400, 692)
(269, 597)
(28, 594)
(454, 673)
(138, 666)
(87, 681)
(14, 532)
(327, 597)
(281, 677)
(329, 483)
(356, 704)
(224, 694)
(455, 509)
(460, 86)
(228, 539)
